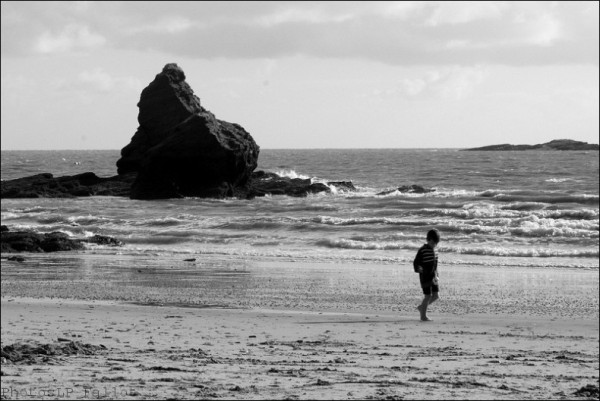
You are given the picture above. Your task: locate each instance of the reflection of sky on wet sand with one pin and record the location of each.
(103, 267)
(231, 282)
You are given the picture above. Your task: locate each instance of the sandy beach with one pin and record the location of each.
(298, 331)
(229, 200)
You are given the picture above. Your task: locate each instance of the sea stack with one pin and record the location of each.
(181, 149)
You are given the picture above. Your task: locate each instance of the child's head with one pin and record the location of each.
(433, 236)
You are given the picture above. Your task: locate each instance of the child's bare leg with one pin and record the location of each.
(423, 307)
(434, 297)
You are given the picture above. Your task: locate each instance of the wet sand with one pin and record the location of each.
(296, 330)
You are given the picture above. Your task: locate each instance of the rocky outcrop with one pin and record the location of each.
(29, 241)
(264, 183)
(164, 104)
(411, 189)
(181, 149)
(342, 186)
(88, 184)
(34, 353)
(25, 241)
(47, 186)
(557, 144)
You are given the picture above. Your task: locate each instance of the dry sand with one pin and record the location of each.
(324, 350)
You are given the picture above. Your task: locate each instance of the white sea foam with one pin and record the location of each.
(449, 248)
(512, 211)
(86, 220)
(437, 193)
(559, 180)
(164, 221)
(57, 218)
(10, 215)
(291, 174)
(352, 244)
(517, 252)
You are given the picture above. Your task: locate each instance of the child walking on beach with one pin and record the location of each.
(425, 264)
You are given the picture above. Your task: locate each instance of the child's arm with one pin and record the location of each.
(417, 262)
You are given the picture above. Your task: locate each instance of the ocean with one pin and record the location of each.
(533, 209)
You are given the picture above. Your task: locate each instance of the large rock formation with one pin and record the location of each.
(181, 149)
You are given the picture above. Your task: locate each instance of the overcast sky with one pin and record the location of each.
(306, 74)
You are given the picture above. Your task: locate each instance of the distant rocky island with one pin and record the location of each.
(557, 144)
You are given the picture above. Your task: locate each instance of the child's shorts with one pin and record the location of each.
(430, 289)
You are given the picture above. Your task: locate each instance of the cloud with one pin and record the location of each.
(454, 83)
(461, 12)
(17, 90)
(402, 33)
(299, 14)
(97, 80)
(72, 37)
(167, 25)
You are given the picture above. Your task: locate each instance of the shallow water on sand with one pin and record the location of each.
(279, 284)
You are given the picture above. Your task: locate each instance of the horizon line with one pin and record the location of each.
(261, 148)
